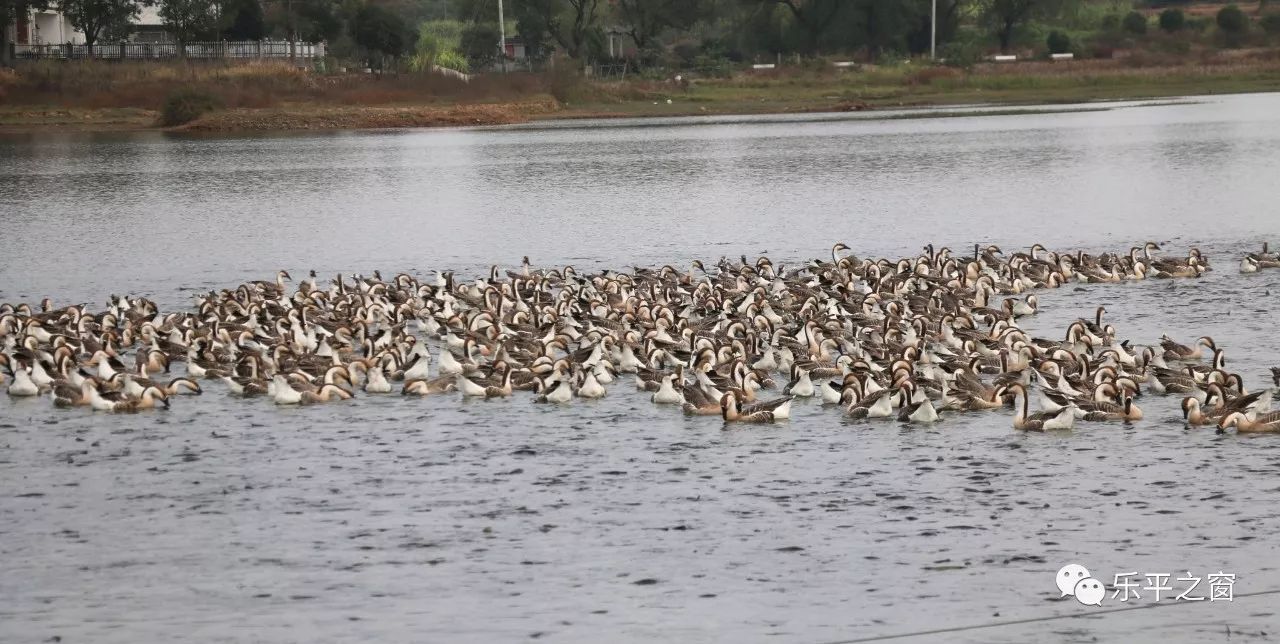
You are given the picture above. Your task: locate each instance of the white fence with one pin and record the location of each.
(154, 51)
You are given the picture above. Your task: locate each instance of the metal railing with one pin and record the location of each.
(153, 51)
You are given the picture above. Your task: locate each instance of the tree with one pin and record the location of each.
(1232, 21)
(813, 17)
(1172, 20)
(577, 37)
(572, 24)
(1135, 23)
(381, 32)
(93, 17)
(1232, 25)
(479, 44)
(10, 10)
(531, 24)
(645, 20)
(246, 20)
(879, 25)
(188, 20)
(316, 20)
(1005, 17)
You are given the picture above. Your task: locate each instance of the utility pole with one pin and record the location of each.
(502, 38)
(933, 32)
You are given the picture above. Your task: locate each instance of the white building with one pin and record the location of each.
(50, 27)
(47, 27)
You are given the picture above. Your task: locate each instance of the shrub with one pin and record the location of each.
(1271, 23)
(1232, 21)
(961, 53)
(1058, 42)
(479, 44)
(1135, 23)
(186, 105)
(1172, 20)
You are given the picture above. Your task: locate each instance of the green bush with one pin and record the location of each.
(479, 44)
(1135, 23)
(439, 43)
(1232, 21)
(1058, 42)
(962, 53)
(1172, 20)
(186, 105)
(1271, 23)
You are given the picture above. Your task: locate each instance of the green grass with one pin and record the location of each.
(909, 86)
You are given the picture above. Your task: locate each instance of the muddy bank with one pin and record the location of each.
(359, 117)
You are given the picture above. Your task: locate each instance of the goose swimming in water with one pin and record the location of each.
(559, 391)
(880, 337)
(1023, 420)
(590, 387)
(1265, 423)
(420, 387)
(764, 412)
(22, 386)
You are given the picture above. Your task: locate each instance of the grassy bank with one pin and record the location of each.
(264, 96)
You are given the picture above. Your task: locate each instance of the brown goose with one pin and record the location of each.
(763, 412)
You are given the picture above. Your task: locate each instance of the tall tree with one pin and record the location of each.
(188, 20)
(1005, 17)
(10, 11)
(382, 33)
(533, 23)
(645, 20)
(572, 24)
(576, 35)
(93, 17)
(243, 20)
(882, 25)
(814, 17)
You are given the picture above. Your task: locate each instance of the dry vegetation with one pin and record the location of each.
(244, 85)
(275, 96)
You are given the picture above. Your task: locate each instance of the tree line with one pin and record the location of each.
(649, 30)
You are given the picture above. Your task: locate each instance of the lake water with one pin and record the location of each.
(617, 520)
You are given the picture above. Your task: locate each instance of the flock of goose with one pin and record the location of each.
(914, 339)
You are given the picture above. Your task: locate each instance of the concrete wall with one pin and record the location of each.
(50, 27)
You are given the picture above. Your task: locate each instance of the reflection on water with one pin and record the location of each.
(437, 520)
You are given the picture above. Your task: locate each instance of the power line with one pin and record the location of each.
(1032, 620)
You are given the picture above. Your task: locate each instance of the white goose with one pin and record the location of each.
(560, 392)
(23, 386)
(376, 381)
(667, 394)
(591, 387)
(421, 367)
(283, 393)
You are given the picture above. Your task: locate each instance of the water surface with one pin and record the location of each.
(443, 520)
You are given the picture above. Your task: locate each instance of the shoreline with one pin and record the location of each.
(713, 100)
